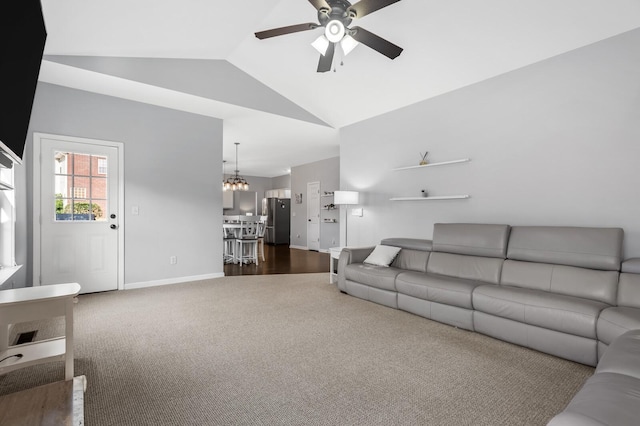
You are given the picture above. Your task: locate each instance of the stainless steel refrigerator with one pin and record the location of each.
(278, 221)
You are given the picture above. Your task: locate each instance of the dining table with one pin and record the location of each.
(234, 224)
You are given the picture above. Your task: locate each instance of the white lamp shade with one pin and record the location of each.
(345, 197)
(348, 43)
(321, 44)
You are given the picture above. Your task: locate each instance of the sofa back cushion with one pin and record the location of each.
(409, 243)
(411, 260)
(476, 268)
(629, 290)
(595, 248)
(414, 254)
(567, 280)
(631, 265)
(471, 239)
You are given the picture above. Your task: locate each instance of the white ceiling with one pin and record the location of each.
(448, 45)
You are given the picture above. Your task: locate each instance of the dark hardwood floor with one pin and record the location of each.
(281, 259)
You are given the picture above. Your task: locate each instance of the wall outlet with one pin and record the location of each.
(173, 260)
(298, 236)
(135, 210)
(333, 241)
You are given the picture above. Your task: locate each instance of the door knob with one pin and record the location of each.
(113, 226)
(113, 216)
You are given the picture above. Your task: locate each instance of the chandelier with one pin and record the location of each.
(237, 182)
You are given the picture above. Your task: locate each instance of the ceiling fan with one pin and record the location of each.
(335, 16)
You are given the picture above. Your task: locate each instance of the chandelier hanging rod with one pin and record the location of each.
(237, 182)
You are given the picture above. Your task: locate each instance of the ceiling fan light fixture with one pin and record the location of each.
(334, 31)
(321, 44)
(348, 43)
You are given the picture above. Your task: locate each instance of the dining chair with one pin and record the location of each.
(262, 226)
(246, 247)
(229, 244)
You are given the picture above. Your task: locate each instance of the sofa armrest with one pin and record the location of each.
(347, 257)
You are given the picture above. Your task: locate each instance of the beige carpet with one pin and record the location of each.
(293, 350)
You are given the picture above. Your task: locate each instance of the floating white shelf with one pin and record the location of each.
(444, 197)
(443, 163)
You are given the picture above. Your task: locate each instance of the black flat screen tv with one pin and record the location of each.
(22, 39)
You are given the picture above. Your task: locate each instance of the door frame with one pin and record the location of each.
(37, 216)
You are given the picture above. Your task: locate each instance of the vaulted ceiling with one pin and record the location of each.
(201, 56)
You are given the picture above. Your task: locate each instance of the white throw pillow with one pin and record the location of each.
(382, 255)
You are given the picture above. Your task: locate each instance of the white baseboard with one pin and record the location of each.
(132, 286)
(307, 248)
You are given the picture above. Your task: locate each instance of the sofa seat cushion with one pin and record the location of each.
(605, 399)
(566, 314)
(374, 276)
(437, 288)
(617, 320)
(622, 356)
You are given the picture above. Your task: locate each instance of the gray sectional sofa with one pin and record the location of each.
(560, 290)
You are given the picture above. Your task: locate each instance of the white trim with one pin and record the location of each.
(37, 143)
(307, 248)
(168, 281)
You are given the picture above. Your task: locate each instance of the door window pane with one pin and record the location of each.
(80, 187)
(99, 166)
(81, 164)
(99, 188)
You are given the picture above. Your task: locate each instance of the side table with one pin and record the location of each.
(333, 263)
(31, 304)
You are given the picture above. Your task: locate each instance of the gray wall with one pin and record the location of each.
(167, 157)
(280, 182)
(327, 172)
(259, 185)
(554, 143)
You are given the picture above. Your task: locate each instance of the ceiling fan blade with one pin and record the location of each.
(286, 30)
(320, 4)
(365, 7)
(326, 60)
(375, 42)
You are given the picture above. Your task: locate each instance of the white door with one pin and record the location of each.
(313, 216)
(78, 198)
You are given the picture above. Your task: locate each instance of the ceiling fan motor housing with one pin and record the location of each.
(338, 13)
